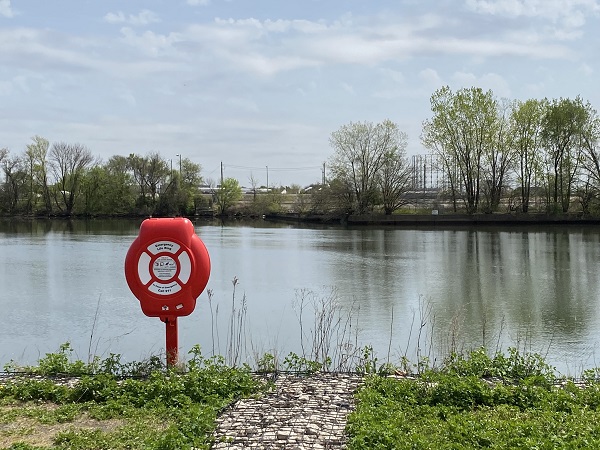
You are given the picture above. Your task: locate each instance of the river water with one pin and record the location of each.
(407, 292)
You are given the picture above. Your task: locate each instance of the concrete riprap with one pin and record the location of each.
(300, 412)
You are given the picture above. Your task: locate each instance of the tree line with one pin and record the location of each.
(491, 153)
(64, 179)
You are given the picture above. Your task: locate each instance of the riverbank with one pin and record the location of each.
(470, 401)
(437, 220)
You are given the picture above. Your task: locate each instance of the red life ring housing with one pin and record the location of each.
(167, 267)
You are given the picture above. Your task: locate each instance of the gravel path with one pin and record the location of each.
(301, 412)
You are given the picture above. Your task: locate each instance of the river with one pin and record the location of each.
(407, 292)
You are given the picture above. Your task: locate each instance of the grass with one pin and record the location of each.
(476, 401)
(157, 409)
(472, 401)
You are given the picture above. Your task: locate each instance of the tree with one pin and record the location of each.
(122, 196)
(15, 182)
(562, 128)
(253, 184)
(107, 189)
(3, 153)
(335, 198)
(228, 194)
(590, 144)
(69, 163)
(360, 151)
(191, 179)
(37, 159)
(395, 176)
(464, 127)
(181, 194)
(498, 158)
(150, 173)
(526, 129)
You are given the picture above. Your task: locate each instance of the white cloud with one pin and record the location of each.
(272, 46)
(145, 17)
(548, 9)
(50, 52)
(198, 2)
(569, 14)
(6, 9)
(150, 43)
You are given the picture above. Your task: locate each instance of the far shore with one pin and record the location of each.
(438, 220)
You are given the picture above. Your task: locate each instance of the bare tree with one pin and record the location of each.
(395, 177)
(253, 184)
(15, 180)
(590, 139)
(359, 153)
(69, 163)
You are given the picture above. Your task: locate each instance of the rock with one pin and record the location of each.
(300, 412)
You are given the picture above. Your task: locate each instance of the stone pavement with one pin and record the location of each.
(301, 412)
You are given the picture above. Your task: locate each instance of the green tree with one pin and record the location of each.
(181, 194)
(228, 194)
(463, 129)
(94, 187)
(526, 129)
(107, 191)
(563, 125)
(360, 151)
(498, 158)
(150, 173)
(120, 185)
(190, 181)
(37, 159)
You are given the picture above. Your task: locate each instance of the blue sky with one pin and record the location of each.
(263, 83)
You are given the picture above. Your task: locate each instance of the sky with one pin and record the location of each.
(259, 85)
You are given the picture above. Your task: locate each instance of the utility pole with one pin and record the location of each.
(30, 184)
(267, 177)
(323, 183)
(221, 173)
(179, 164)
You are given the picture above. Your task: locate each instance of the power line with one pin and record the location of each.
(277, 169)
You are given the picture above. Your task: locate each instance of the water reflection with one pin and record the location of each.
(533, 288)
(536, 290)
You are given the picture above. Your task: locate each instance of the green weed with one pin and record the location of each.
(475, 401)
(166, 409)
